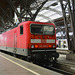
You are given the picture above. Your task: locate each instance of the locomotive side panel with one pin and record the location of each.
(16, 40)
(23, 35)
(7, 40)
(21, 40)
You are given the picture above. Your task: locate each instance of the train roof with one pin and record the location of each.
(26, 22)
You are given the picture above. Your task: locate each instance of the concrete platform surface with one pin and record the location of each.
(65, 64)
(63, 51)
(13, 66)
(62, 59)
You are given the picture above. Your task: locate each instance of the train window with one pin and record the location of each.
(42, 29)
(21, 30)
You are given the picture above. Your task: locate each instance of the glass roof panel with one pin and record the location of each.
(55, 16)
(50, 11)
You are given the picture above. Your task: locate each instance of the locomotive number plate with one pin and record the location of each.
(43, 41)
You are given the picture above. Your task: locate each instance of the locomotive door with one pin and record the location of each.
(15, 40)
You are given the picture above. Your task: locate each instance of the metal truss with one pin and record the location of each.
(29, 9)
(25, 12)
(6, 15)
(68, 9)
(26, 8)
(14, 8)
(52, 9)
(4, 18)
(61, 30)
(49, 19)
(38, 6)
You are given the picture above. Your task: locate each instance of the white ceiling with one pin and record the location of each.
(49, 12)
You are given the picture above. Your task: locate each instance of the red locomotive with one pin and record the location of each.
(35, 40)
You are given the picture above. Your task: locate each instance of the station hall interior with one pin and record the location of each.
(60, 14)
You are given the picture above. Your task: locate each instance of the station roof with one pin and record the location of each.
(48, 11)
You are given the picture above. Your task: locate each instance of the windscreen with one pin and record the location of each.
(42, 29)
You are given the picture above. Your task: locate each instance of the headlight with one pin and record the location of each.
(53, 46)
(32, 46)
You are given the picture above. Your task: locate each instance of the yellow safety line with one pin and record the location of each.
(20, 65)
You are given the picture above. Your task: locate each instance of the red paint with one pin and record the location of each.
(12, 38)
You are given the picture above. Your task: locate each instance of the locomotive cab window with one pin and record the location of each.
(21, 30)
(42, 29)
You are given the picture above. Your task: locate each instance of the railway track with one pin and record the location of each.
(59, 71)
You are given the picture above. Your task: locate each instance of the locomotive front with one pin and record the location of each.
(43, 42)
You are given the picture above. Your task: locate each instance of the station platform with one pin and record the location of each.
(63, 51)
(67, 65)
(13, 66)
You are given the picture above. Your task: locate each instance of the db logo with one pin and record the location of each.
(43, 41)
